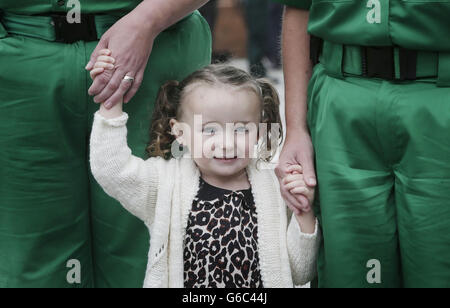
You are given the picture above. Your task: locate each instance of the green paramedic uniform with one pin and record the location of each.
(55, 220)
(379, 117)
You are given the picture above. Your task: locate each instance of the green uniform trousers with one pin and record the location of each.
(51, 209)
(382, 154)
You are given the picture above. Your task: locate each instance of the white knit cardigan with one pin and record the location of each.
(160, 192)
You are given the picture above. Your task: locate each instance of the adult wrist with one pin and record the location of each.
(149, 20)
(297, 132)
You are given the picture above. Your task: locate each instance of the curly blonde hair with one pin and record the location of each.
(171, 95)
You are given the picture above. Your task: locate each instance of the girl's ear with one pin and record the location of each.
(172, 123)
(176, 130)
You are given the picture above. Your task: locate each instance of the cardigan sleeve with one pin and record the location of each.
(128, 179)
(303, 250)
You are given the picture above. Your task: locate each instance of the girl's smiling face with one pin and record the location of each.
(218, 124)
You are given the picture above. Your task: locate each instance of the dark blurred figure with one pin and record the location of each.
(209, 11)
(256, 18)
(274, 40)
(263, 19)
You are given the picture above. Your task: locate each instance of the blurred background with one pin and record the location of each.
(247, 34)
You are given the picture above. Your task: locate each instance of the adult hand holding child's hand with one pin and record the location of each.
(131, 41)
(295, 184)
(104, 66)
(297, 150)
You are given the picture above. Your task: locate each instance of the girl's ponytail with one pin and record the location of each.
(271, 117)
(166, 108)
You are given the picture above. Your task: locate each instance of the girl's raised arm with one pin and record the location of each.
(127, 178)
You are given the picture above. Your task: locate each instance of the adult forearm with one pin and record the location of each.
(161, 14)
(297, 68)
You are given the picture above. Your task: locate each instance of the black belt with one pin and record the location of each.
(68, 33)
(378, 61)
(55, 27)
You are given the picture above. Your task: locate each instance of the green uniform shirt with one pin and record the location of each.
(414, 24)
(30, 7)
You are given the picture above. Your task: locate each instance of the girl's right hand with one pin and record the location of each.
(104, 64)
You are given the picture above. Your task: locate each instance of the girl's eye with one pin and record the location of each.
(241, 130)
(209, 131)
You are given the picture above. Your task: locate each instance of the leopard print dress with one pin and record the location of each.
(221, 243)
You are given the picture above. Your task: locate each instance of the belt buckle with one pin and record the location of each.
(69, 33)
(408, 64)
(378, 62)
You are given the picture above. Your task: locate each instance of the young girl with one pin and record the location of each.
(215, 218)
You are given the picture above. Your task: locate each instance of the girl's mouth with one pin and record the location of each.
(224, 159)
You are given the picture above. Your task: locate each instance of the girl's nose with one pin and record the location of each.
(227, 145)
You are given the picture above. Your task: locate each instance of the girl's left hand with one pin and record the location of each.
(132, 42)
(295, 184)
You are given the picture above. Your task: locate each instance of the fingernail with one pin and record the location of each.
(110, 66)
(312, 181)
(87, 65)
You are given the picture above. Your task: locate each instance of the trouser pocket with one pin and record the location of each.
(315, 84)
(3, 32)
